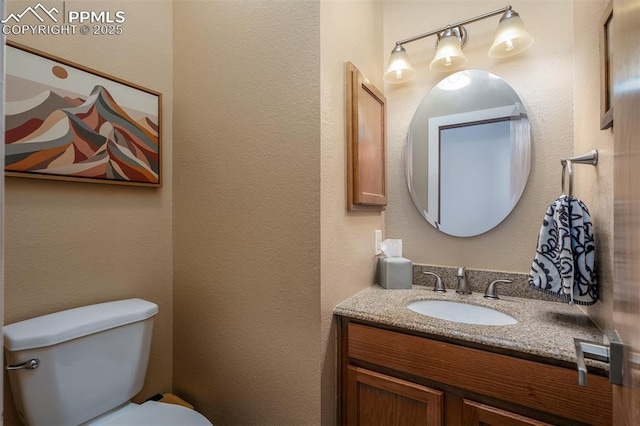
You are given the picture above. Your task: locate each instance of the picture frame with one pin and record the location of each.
(606, 77)
(366, 143)
(65, 121)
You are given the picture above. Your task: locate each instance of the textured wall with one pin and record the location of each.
(594, 185)
(69, 244)
(247, 210)
(542, 76)
(351, 31)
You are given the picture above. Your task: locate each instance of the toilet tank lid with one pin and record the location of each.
(66, 325)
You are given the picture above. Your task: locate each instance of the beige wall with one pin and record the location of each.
(594, 185)
(542, 76)
(247, 210)
(69, 244)
(351, 31)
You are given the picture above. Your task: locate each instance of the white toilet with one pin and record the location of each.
(83, 365)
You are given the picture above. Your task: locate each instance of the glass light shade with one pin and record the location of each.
(449, 55)
(399, 69)
(511, 37)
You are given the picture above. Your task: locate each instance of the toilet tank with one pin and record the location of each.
(91, 360)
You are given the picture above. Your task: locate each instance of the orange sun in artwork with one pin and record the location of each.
(59, 72)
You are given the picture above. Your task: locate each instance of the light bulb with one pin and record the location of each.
(399, 69)
(511, 36)
(508, 45)
(449, 55)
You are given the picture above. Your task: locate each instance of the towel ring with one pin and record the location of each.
(566, 164)
(590, 157)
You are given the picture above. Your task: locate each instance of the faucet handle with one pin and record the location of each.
(439, 287)
(492, 289)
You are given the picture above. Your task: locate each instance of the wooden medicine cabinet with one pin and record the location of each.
(366, 143)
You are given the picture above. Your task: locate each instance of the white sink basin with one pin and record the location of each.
(461, 312)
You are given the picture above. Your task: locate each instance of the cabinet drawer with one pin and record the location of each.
(539, 386)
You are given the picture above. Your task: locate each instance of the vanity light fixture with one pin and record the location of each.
(511, 38)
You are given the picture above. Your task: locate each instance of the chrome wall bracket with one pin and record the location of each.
(590, 158)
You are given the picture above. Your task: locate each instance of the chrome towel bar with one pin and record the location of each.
(590, 158)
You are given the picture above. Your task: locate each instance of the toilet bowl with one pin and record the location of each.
(83, 365)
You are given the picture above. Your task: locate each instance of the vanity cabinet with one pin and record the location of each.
(391, 376)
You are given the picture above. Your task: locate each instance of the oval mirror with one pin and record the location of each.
(468, 153)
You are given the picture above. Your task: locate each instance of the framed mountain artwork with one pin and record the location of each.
(64, 121)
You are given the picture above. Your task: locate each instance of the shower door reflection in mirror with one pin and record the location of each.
(468, 154)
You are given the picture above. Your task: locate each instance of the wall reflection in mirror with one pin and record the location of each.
(468, 153)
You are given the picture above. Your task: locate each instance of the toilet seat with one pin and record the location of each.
(153, 413)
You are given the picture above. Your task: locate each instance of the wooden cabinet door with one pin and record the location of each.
(626, 206)
(476, 414)
(377, 399)
(366, 143)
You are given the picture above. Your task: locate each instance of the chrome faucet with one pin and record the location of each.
(463, 281)
(438, 287)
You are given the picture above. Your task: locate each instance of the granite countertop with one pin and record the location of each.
(544, 330)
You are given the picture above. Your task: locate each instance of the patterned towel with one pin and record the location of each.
(565, 255)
